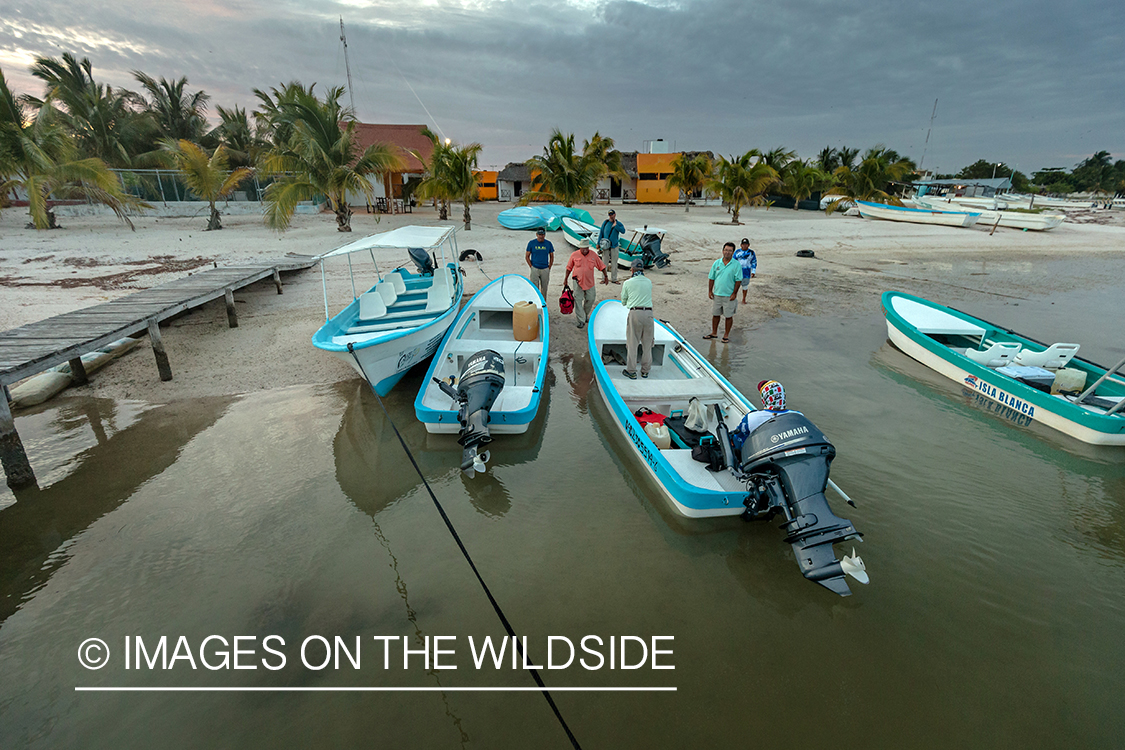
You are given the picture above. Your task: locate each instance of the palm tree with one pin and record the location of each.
(801, 180)
(104, 121)
(271, 125)
(562, 173)
(321, 156)
(689, 173)
(451, 177)
(869, 181)
(242, 142)
(39, 157)
(178, 115)
(742, 181)
(433, 187)
(209, 178)
(605, 152)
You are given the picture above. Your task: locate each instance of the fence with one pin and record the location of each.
(168, 186)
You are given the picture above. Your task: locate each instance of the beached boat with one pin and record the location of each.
(917, 215)
(566, 212)
(528, 217)
(399, 321)
(782, 467)
(644, 244)
(1047, 384)
(489, 324)
(576, 230)
(1005, 218)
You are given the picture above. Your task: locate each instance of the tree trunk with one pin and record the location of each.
(734, 211)
(443, 212)
(343, 217)
(468, 219)
(51, 223)
(215, 222)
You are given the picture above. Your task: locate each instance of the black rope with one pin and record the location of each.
(465, 552)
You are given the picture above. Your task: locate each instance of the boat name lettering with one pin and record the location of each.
(989, 405)
(788, 434)
(645, 454)
(1005, 398)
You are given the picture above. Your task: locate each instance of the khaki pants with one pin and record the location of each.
(540, 277)
(609, 257)
(584, 301)
(639, 332)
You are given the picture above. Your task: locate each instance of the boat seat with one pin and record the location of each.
(398, 282)
(387, 291)
(439, 295)
(472, 346)
(371, 306)
(1051, 358)
(1000, 354)
(663, 391)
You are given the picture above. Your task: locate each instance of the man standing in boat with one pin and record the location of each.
(722, 290)
(636, 295)
(608, 238)
(582, 264)
(540, 257)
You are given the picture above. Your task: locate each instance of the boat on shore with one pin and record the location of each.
(528, 217)
(576, 230)
(495, 349)
(1046, 384)
(782, 467)
(645, 243)
(999, 216)
(399, 321)
(917, 215)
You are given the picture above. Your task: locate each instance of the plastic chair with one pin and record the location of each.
(1051, 358)
(1000, 354)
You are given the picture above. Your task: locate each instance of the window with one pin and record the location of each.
(648, 176)
(665, 175)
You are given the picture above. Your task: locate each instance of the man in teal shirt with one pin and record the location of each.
(610, 233)
(636, 295)
(722, 289)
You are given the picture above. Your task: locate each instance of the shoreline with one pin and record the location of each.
(94, 259)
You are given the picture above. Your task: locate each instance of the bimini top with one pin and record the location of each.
(426, 238)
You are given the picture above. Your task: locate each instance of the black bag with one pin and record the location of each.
(708, 452)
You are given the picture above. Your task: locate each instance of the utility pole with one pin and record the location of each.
(927, 145)
(348, 67)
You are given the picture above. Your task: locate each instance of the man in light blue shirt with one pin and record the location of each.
(636, 295)
(611, 232)
(722, 288)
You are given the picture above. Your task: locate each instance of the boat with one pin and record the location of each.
(566, 212)
(870, 210)
(782, 467)
(644, 244)
(576, 230)
(1000, 216)
(486, 329)
(528, 217)
(1047, 384)
(399, 321)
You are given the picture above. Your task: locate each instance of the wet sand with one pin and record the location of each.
(95, 259)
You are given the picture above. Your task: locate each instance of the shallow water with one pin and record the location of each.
(994, 616)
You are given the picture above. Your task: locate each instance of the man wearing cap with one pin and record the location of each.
(722, 289)
(582, 264)
(636, 295)
(540, 257)
(610, 234)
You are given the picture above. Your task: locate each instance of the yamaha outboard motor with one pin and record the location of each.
(651, 253)
(482, 379)
(786, 462)
(422, 260)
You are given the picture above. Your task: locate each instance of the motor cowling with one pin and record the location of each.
(479, 384)
(422, 260)
(651, 253)
(786, 461)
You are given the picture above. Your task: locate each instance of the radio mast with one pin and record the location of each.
(348, 67)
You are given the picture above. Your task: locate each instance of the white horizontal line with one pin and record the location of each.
(171, 689)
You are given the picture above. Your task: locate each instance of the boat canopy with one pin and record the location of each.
(427, 238)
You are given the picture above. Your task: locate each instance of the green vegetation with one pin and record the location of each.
(689, 174)
(742, 181)
(449, 176)
(567, 176)
(208, 177)
(873, 178)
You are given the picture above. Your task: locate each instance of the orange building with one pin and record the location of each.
(653, 171)
(486, 185)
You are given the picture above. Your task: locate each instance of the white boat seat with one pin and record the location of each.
(398, 282)
(387, 291)
(472, 346)
(439, 295)
(1000, 354)
(662, 391)
(1051, 358)
(371, 306)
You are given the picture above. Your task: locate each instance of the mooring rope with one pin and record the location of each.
(461, 545)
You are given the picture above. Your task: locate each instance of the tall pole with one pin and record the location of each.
(347, 66)
(927, 145)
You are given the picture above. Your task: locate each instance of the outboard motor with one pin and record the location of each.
(651, 253)
(422, 260)
(481, 380)
(786, 462)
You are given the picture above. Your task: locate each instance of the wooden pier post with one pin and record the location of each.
(78, 372)
(232, 314)
(158, 350)
(17, 469)
(277, 280)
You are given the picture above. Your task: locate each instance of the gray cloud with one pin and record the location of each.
(1030, 83)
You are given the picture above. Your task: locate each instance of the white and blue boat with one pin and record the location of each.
(870, 210)
(399, 321)
(780, 468)
(529, 217)
(487, 376)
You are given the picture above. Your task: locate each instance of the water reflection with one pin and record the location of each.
(44, 519)
(579, 374)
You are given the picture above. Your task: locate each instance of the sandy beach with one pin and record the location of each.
(95, 259)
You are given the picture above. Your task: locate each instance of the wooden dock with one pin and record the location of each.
(33, 348)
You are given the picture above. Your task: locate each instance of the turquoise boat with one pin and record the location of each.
(1046, 384)
(528, 217)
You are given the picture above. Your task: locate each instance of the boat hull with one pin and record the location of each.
(916, 215)
(1009, 219)
(1033, 404)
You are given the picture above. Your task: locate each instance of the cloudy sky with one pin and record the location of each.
(1031, 83)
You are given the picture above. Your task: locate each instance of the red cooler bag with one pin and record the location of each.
(566, 301)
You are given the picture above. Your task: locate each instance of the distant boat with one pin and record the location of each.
(575, 230)
(917, 215)
(399, 321)
(1005, 218)
(528, 217)
(1047, 384)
